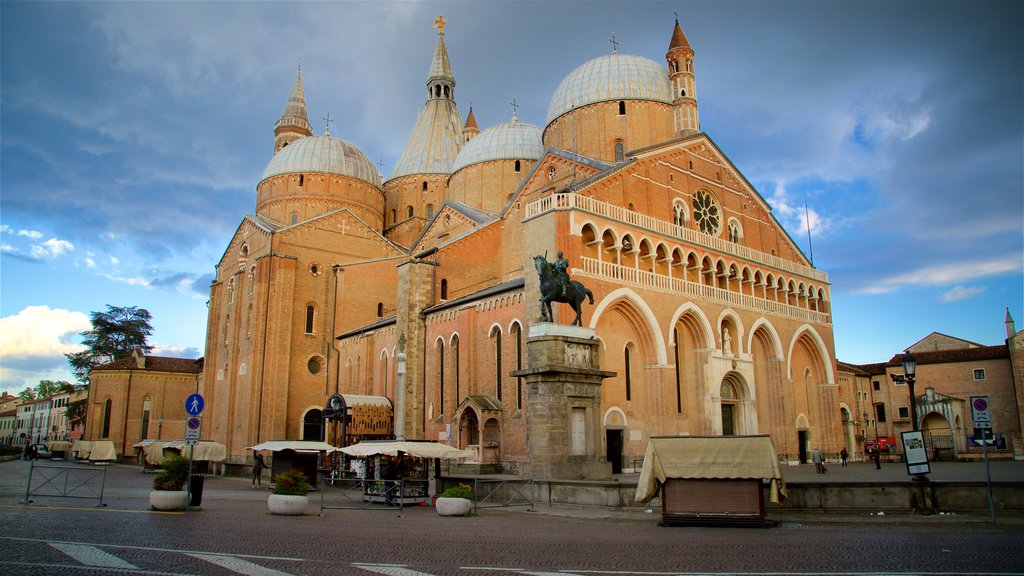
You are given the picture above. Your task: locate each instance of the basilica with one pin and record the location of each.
(419, 291)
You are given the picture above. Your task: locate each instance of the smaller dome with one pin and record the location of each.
(325, 155)
(611, 77)
(514, 140)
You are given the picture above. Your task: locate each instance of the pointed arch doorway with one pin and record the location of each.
(730, 407)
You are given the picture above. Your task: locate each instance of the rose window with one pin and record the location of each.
(706, 213)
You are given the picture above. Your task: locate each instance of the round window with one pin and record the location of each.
(314, 269)
(706, 213)
(314, 365)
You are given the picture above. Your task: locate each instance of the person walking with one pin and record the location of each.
(819, 461)
(843, 455)
(257, 471)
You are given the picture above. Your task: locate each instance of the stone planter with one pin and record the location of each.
(285, 505)
(168, 500)
(453, 506)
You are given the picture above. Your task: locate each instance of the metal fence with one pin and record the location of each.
(65, 481)
(503, 493)
(370, 494)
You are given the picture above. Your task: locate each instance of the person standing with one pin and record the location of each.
(819, 461)
(257, 471)
(843, 455)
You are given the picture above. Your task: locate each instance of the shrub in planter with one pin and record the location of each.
(168, 493)
(288, 497)
(455, 501)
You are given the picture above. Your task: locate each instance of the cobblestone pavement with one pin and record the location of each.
(233, 534)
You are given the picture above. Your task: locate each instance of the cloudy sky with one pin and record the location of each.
(133, 135)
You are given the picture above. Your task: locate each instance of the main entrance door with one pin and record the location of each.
(613, 444)
(727, 420)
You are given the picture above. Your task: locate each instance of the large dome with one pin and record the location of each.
(611, 77)
(514, 140)
(325, 155)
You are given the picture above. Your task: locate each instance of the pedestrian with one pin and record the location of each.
(843, 455)
(257, 471)
(819, 461)
(28, 450)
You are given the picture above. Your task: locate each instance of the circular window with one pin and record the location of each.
(706, 213)
(313, 365)
(314, 269)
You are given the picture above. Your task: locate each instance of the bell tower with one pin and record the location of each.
(294, 122)
(684, 87)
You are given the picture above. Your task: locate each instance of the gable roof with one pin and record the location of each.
(155, 364)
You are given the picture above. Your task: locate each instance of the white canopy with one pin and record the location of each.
(703, 457)
(204, 450)
(418, 449)
(297, 445)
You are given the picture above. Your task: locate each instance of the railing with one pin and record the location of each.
(665, 228)
(367, 493)
(642, 278)
(503, 493)
(45, 480)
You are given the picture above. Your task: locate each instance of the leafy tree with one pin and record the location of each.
(47, 388)
(114, 335)
(28, 394)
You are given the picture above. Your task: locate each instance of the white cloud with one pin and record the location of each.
(89, 261)
(51, 249)
(33, 234)
(961, 293)
(41, 331)
(947, 274)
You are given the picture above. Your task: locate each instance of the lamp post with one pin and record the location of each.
(909, 373)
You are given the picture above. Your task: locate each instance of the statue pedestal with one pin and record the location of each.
(563, 399)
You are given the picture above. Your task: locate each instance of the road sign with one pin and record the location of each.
(194, 404)
(980, 412)
(192, 428)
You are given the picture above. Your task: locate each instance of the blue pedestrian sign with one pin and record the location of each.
(194, 404)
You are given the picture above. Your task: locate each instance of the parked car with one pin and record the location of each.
(40, 451)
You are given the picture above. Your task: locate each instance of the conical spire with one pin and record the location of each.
(678, 38)
(1011, 328)
(437, 136)
(294, 122)
(470, 128)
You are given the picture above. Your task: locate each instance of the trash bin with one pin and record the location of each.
(195, 487)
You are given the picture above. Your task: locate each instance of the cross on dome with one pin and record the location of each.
(615, 44)
(328, 120)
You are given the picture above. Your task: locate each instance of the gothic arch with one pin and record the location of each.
(690, 309)
(643, 319)
(773, 335)
(818, 346)
(730, 314)
(614, 419)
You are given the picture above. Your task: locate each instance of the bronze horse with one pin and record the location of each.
(550, 292)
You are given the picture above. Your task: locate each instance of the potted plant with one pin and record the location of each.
(168, 493)
(455, 501)
(288, 497)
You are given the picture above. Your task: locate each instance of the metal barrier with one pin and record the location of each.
(503, 493)
(46, 480)
(366, 494)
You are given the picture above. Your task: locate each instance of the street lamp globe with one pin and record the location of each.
(909, 365)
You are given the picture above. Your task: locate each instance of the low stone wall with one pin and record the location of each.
(962, 497)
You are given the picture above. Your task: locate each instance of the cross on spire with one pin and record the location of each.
(439, 23)
(380, 165)
(328, 119)
(515, 109)
(615, 43)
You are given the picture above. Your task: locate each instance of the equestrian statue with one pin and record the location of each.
(555, 286)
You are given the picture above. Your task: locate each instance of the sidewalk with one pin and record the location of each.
(127, 487)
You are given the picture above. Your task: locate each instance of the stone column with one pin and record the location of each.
(563, 404)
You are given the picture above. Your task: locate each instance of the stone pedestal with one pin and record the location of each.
(563, 403)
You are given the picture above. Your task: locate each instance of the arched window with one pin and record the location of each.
(147, 406)
(679, 213)
(430, 210)
(252, 279)
(410, 211)
(622, 108)
(620, 154)
(735, 231)
(107, 410)
(518, 166)
(394, 216)
(455, 365)
(497, 362)
(444, 289)
(313, 425)
(302, 180)
(294, 218)
(310, 313)
(440, 376)
(518, 332)
(424, 185)
(629, 379)
(380, 309)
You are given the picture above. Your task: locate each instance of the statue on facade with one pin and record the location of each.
(555, 286)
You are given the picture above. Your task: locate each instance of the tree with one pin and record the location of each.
(28, 394)
(47, 388)
(114, 335)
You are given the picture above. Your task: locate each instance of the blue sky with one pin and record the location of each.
(132, 136)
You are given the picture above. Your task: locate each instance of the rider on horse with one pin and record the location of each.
(561, 270)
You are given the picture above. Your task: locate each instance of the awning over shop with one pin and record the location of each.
(58, 446)
(710, 457)
(152, 450)
(418, 449)
(95, 450)
(296, 445)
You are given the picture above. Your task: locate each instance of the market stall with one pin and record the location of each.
(307, 456)
(711, 479)
(407, 462)
(150, 453)
(58, 449)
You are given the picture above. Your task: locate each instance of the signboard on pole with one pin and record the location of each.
(192, 428)
(194, 404)
(917, 454)
(980, 412)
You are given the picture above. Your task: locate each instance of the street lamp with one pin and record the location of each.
(909, 373)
